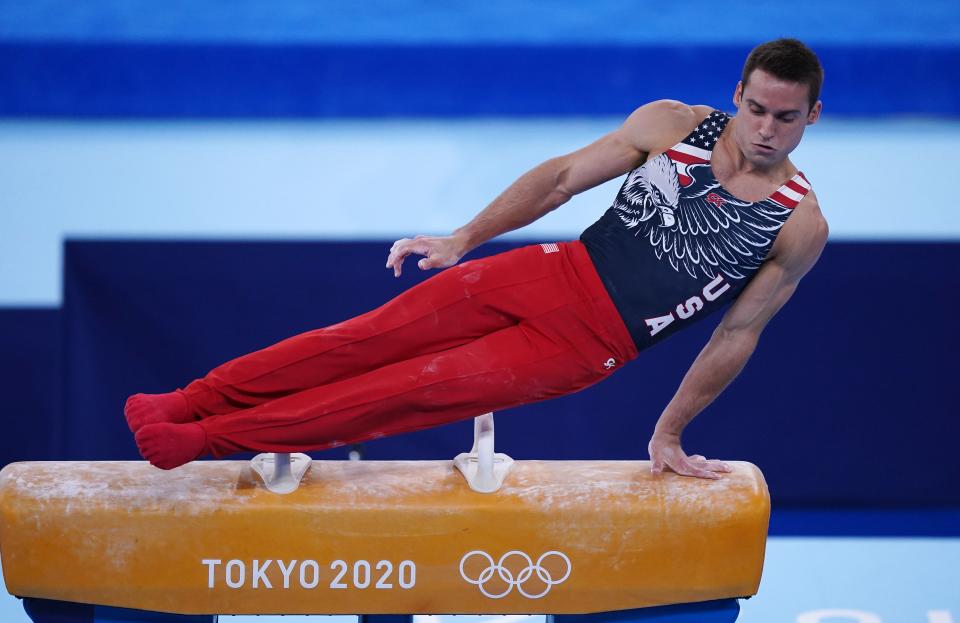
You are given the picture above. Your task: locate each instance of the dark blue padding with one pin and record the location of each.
(209, 80)
(106, 614)
(877, 522)
(718, 611)
(385, 618)
(832, 391)
(51, 611)
(30, 383)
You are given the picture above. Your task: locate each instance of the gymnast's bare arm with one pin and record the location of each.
(796, 250)
(552, 183)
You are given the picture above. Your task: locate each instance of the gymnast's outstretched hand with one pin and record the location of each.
(665, 452)
(440, 252)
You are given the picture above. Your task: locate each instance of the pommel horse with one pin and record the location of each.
(579, 541)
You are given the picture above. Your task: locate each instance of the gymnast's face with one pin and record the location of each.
(771, 116)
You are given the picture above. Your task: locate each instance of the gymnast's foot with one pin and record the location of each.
(143, 409)
(168, 445)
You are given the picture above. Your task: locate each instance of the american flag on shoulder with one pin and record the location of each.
(696, 148)
(790, 194)
(550, 247)
(683, 155)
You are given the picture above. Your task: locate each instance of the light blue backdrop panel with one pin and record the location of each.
(275, 180)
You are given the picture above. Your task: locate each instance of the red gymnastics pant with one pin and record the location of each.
(492, 333)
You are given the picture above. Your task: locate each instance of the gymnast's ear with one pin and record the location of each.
(814, 115)
(738, 94)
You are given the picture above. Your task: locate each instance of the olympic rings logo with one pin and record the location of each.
(521, 578)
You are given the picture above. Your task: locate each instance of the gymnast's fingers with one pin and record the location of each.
(397, 262)
(688, 468)
(411, 247)
(398, 252)
(717, 466)
(437, 259)
(395, 251)
(431, 261)
(712, 465)
(703, 473)
(656, 466)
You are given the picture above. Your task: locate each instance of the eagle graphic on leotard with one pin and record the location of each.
(698, 235)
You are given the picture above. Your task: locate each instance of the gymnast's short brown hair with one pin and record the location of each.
(789, 60)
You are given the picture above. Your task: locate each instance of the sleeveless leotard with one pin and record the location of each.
(675, 245)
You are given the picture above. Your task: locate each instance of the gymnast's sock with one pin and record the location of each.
(168, 445)
(143, 409)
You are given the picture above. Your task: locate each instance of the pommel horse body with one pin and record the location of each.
(579, 541)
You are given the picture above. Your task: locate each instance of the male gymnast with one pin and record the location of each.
(712, 211)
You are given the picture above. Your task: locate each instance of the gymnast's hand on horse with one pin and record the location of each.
(665, 451)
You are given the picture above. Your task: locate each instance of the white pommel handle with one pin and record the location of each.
(281, 472)
(483, 469)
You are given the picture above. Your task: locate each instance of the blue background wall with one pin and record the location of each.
(196, 80)
(254, 58)
(347, 126)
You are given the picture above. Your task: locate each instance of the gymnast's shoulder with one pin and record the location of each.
(802, 238)
(660, 124)
(808, 211)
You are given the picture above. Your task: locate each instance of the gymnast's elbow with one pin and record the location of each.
(741, 340)
(561, 190)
